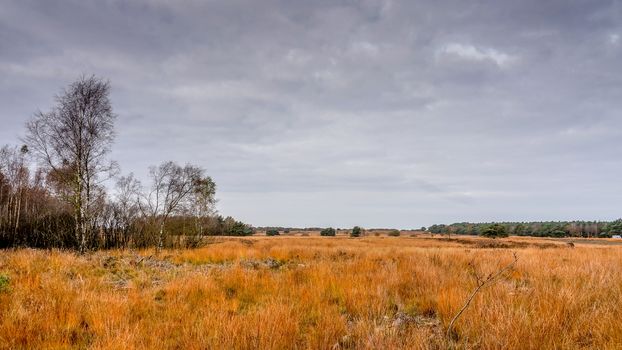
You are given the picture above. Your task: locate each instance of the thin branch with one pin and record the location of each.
(481, 283)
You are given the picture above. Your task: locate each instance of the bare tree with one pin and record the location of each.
(15, 175)
(73, 141)
(202, 204)
(172, 186)
(126, 204)
(127, 191)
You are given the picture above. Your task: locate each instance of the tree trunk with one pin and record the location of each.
(78, 212)
(18, 213)
(161, 237)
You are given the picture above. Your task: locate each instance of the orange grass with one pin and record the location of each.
(313, 293)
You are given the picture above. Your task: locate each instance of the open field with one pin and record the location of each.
(315, 293)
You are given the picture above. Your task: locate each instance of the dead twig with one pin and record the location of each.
(481, 283)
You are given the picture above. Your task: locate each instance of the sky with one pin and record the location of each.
(378, 113)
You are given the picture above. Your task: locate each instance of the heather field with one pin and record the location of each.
(311, 292)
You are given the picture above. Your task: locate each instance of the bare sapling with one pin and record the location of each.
(481, 282)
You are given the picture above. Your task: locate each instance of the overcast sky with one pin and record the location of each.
(374, 113)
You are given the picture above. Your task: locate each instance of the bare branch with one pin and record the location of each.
(481, 283)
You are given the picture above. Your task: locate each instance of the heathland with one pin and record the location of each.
(312, 292)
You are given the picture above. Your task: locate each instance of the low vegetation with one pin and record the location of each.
(356, 232)
(329, 232)
(314, 293)
(4, 283)
(394, 233)
(272, 232)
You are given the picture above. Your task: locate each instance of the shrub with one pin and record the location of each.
(356, 232)
(394, 233)
(232, 227)
(4, 283)
(328, 232)
(494, 231)
(272, 232)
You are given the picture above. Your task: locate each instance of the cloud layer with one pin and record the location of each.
(374, 113)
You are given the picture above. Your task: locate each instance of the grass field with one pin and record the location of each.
(315, 293)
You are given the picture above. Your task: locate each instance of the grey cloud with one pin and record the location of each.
(379, 113)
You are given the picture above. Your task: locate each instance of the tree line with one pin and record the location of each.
(53, 190)
(588, 229)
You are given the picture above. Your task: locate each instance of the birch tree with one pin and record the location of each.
(73, 140)
(202, 203)
(171, 188)
(15, 177)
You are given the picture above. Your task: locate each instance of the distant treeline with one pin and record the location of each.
(287, 229)
(52, 191)
(317, 229)
(294, 229)
(586, 229)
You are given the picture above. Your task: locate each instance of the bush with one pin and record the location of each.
(272, 232)
(394, 233)
(231, 227)
(4, 283)
(328, 232)
(494, 231)
(356, 232)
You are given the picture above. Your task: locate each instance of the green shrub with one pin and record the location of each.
(4, 283)
(328, 232)
(272, 232)
(231, 227)
(394, 233)
(494, 231)
(356, 232)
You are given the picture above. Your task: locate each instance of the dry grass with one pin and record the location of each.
(314, 293)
